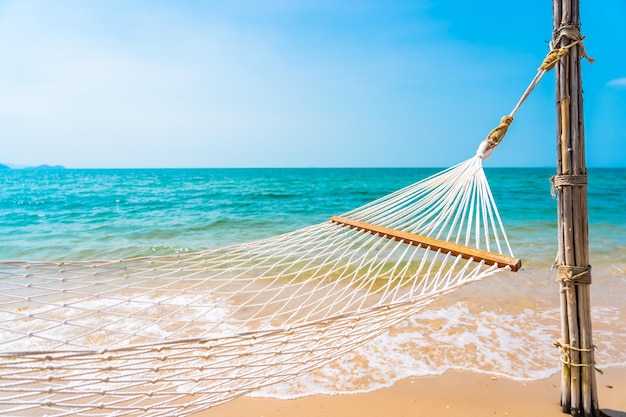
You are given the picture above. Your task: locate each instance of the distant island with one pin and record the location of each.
(42, 167)
(46, 167)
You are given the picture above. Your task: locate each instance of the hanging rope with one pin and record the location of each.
(554, 55)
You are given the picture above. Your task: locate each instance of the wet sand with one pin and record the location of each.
(452, 394)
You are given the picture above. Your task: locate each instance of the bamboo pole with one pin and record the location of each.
(578, 384)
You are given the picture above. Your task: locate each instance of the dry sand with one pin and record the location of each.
(452, 394)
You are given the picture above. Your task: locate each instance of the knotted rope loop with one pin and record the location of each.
(563, 180)
(574, 275)
(569, 180)
(572, 33)
(497, 134)
(566, 355)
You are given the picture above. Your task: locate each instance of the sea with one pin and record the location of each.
(504, 325)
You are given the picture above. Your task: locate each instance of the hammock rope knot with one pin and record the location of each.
(553, 57)
(494, 137)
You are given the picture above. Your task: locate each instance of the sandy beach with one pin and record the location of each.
(452, 394)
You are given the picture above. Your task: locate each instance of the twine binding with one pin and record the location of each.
(565, 356)
(566, 180)
(574, 275)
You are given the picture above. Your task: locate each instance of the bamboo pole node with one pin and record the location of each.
(567, 180)
(574, 275)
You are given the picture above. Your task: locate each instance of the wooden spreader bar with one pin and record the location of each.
(477, 255)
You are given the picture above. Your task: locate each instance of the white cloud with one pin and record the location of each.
(617, 82)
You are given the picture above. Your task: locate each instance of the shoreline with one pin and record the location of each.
(453, 394)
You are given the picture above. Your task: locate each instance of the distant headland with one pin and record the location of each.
(42, 167)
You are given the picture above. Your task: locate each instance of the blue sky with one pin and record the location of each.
(284, 83)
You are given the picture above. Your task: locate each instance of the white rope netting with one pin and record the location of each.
(172, 335)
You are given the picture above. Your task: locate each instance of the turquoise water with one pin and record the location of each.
(85, 214)
(109, 214)
(504, 325)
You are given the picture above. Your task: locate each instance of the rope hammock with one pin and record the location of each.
(172, 335)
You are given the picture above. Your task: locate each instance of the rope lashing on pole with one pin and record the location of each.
(572, 33)
(556, 54)
(560, 181)
(566, 356)
(571, 180)
(574, 275)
